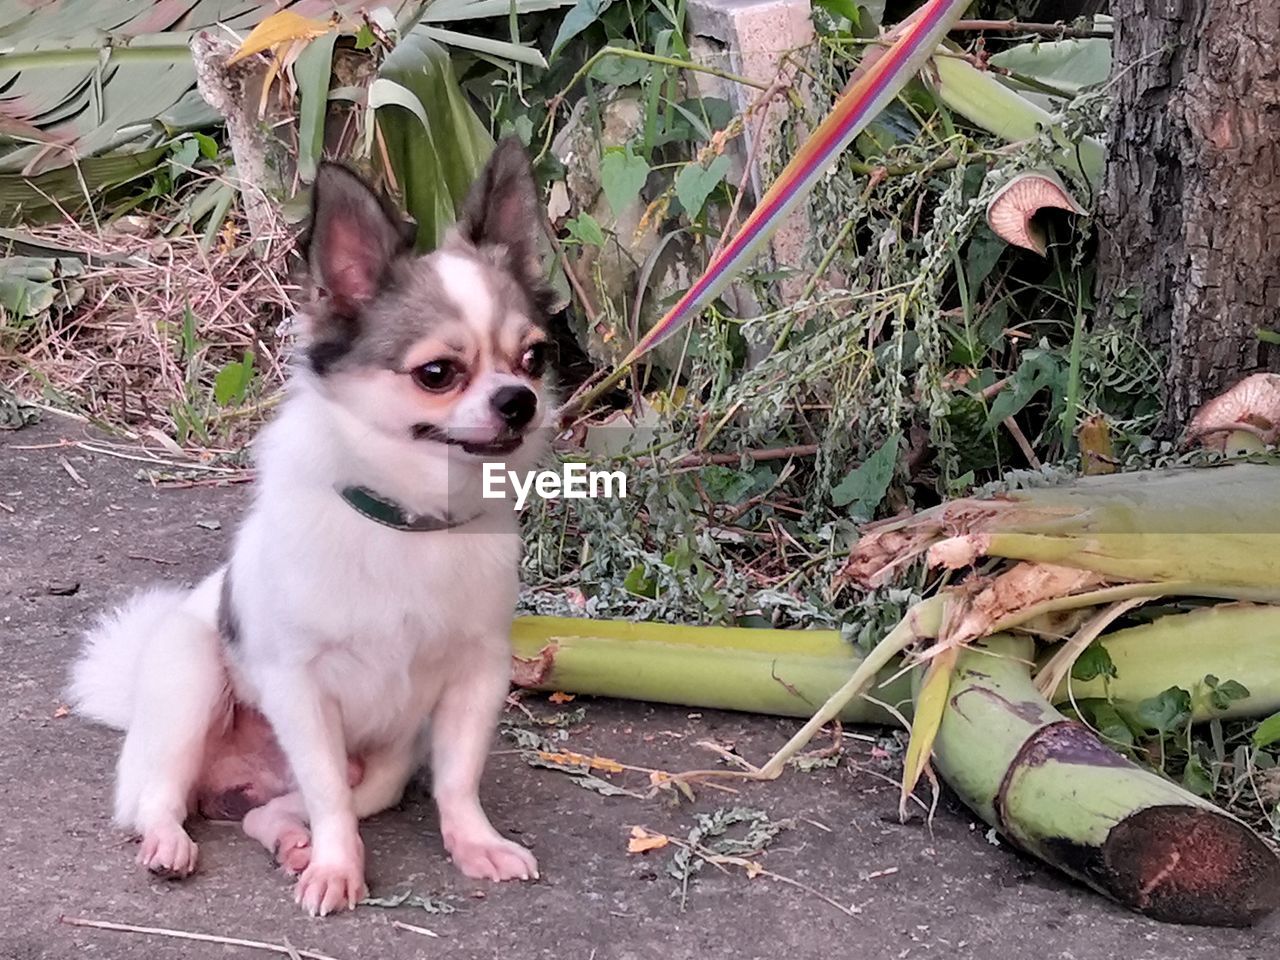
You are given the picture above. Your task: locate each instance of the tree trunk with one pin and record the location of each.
(1190, 232)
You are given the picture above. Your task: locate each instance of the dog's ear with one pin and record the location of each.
(353, 237)
(502, 210)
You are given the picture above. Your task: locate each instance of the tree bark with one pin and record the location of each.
(1190, 213)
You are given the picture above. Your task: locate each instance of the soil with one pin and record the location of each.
(67, 550)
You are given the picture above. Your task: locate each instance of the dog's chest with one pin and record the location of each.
(417, 614)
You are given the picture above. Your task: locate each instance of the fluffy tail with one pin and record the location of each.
(104, 679)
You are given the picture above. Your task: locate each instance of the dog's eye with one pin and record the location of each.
(438, 375)
(534, 361)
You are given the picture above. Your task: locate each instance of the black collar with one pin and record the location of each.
(390, 514)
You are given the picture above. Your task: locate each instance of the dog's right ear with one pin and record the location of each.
(353, 237)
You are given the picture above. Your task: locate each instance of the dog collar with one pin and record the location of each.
(390, 514)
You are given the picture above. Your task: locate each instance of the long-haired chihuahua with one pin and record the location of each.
(362, 624)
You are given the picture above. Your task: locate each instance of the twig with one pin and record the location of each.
(1059, 29)
(73, 473)
(186, 935)
(414, 928)
(1020, 439)
(571, 274)
(723, 459)
(761, 104)
(160, 560)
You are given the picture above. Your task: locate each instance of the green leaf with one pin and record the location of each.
(1222, 695)
(232, 382)
(190, 342)
(1069, 65)
(839, 8)
(583, 15)
(1196, 778)
(208, 145)
(864, 487)
(981, 256)
(695, 119)
(621, 71)
(1268, 731)
(498, 48)
(694, 184)
(622, 174)
(636, 582)
(1167, 713)
(384, 92)
(726, 485)
(183, 157)
(364, 37)
(586, 230)
(312, 71)
(1037, 370)
(25, 298)
(435, 142)
(1094, 662)
(1107, 721)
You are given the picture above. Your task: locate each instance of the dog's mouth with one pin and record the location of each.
(499, 446)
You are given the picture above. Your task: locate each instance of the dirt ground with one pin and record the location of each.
(68, 549)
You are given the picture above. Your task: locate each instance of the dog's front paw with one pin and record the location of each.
(492, 857)
(326, 887)
(168, 852)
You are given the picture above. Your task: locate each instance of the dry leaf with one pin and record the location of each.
(568, 758)
(1011, 212)
(61, 712)
(561, 697)
(278, 30)
(754, 869)
(642, 840)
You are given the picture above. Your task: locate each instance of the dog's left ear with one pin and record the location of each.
(502, 211)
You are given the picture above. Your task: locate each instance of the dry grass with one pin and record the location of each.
(119, 355)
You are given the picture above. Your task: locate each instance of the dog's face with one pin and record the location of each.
(450, 348)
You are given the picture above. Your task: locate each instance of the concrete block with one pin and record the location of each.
(752, 38)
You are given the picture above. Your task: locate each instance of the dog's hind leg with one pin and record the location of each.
(280, 825)
(180, 692)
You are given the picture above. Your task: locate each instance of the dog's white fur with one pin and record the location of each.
(353, 638)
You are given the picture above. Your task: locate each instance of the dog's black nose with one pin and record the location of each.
(515, 405)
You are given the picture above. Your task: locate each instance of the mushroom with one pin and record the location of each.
(1011, 212)
(1244, 418)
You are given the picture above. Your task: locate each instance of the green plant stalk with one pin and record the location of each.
(1231, 566)
(1230, 641)
(983, 100)
(1191, 531)
(787, 673)
(1049, 786)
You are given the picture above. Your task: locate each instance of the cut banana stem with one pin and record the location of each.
(788, 673)
(1049, 786)
(1231, 641)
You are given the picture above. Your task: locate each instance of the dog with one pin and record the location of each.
(361, 626)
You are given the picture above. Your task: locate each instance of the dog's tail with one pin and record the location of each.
(105, 676)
